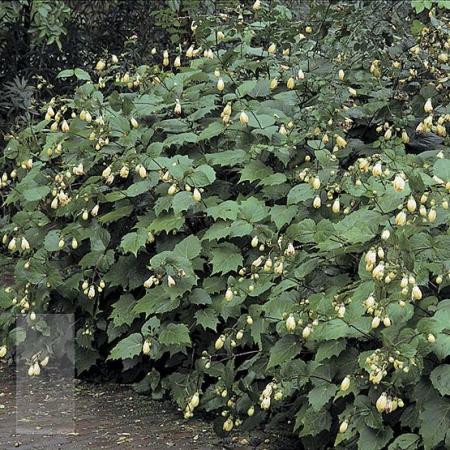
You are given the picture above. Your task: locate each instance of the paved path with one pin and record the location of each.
(106, 416)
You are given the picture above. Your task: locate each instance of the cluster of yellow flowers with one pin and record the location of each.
(90, 289)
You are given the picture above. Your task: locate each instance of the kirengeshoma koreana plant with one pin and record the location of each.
(258, 225)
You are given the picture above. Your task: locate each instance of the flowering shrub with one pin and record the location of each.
(257, 225)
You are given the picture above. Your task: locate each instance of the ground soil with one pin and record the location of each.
(106, 416)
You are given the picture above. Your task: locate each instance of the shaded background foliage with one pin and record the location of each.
(38, 38)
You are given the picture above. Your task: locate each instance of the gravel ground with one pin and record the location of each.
(104, 416)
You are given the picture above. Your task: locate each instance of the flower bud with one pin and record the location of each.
(377, 170)
(124, 172)
(381, 402)
(196, 195)
(142, 172)
(317, 202)
(171, 281)
(265, 403)
(65, 126)
(341, 142)
(385, 235)
(256, 6)
(146, 348)
(228, 425)
(219, 342)
(25, 245)
(290, 83)
(343, 427)
(416, 293)
(194, 402)
(316, 183)
(398, 183)
(3, 351)
(375, 322)
(134, 123)
(190, 52)
(341, 75)
(272, 48)
(36, 369)
(400, 219)
(100, 65)
(243, 118)
(306, 332)
(431, 215)
(91, 292)
(106, 172)
(290, 323)
(411, 205)
(229, 295)
(428, 107)
(94, 210)
(336, 206)
(220, 85)
(345, 384)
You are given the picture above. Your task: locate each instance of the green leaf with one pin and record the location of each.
(370, 439)
(255, 170)
(207, 318)
(66, 73)
(122, 311)
(440, 377)
(407, 441)
(253, 210)
(441, 169)
(175, 334)
(319, 396)
(282, 215)
(182, 201)
(226, 258)
(284, 350)
(129, 347)
(200, 297)
(180, 139)
(329, 349)
(81, 74)
(203, 175)
(189, 247)
(116, 214)
(51, 241)
(226, 158)
(140, 187)
(227, 210)
(434, 418)
(213, 130)
(167, 223)
(36, 193)
(155, 301)
(260, 121)
(300, 193)
(134, 241)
